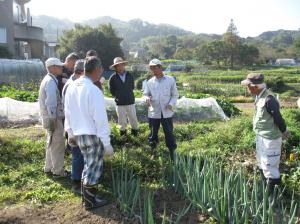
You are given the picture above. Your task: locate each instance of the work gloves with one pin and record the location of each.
(72, 141)
(49, 124)
(286, 134)
(108, 150)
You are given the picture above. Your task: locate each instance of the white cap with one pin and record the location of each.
(53, 61)
(154, 62)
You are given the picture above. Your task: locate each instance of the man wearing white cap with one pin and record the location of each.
(161, 96)
(121, 86)
(51, 111)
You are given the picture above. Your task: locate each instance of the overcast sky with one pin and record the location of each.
(251, 17)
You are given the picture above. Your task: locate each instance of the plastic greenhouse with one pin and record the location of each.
(21, 71)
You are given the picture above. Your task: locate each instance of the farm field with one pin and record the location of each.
(141, 117)
(26, 193)
(283, 81)
(221, 84)
(213, 181)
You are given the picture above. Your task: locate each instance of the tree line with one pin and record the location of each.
(227, 50)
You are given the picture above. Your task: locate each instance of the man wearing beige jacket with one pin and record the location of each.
(52, 114)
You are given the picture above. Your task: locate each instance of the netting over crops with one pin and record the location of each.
(17, 112)
(12, 111)
(186, 109)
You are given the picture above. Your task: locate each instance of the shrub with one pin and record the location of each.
(4, 52)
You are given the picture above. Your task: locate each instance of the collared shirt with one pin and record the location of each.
(70, 80)
(85, 112)
(260, 94)
(162, 92)
(122, 76)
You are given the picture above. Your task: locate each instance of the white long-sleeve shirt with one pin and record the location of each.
(162, 92)
(64, 90)
(85, 112)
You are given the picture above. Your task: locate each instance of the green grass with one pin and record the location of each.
(21, 162)
(22, 153)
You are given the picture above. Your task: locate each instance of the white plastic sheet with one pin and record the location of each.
(13, 111)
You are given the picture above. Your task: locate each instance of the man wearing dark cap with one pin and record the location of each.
(100, 82)
(91, 53)
(269, 127)
(77, 158)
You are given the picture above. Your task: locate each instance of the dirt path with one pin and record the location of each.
(285, 104)
(60, 213)
(72, 212)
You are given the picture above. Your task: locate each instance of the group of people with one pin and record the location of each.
(72, 107)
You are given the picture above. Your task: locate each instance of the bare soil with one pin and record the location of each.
(73, 212)
(285, 104)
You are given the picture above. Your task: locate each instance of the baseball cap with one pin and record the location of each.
(253, 79)
(154, 62)
(53, 61)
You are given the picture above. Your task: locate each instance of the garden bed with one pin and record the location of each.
(24, 185)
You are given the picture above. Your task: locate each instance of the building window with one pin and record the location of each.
(3, 39)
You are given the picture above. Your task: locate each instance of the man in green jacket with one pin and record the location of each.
(269, 127)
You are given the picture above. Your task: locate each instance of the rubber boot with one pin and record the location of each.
(153, 145)
(172, 155)
(272, 183)
(134, 132)
(82, 198)
(91, 201)
(76, 187)
(123, 133)
(262, 175)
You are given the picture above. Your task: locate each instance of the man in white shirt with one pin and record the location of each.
(88, 127)
(161, 96)
(51, 111)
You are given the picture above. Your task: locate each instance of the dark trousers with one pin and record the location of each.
(68, 147)
(167, 124)
(77, 164)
